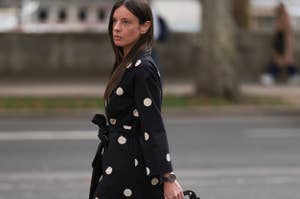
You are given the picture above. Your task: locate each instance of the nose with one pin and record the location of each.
(117, 27)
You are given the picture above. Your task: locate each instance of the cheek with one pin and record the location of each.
(133, 34)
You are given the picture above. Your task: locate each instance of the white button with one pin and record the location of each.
(129, 65)
(168, 157)
(113, 121)
(126, 127)
(147, 102)
(96, 198)
(108, 171)
(136, 162)
(147, 171)
(122, 140)
(102, 151)
(135, 113)
(100, 178)
(119, 91)
(146, 136)
(127, 192)
(154, 181)
(138, 62)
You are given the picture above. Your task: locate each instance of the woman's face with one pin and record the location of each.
(126, 28)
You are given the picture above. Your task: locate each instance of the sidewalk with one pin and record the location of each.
(73, 88)
(95, 88)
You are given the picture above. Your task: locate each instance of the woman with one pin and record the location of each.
(135, 158)
(283, 60)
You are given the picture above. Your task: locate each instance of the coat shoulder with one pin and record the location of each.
(144, 68)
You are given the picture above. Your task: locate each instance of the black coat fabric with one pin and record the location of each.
(134, 151)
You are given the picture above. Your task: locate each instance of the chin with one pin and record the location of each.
(119, 44)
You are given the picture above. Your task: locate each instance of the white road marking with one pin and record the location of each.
(48, 135)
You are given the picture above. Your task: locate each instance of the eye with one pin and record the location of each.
(125, 21)
(114, 20)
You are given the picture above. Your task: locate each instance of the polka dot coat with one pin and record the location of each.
(137, 152)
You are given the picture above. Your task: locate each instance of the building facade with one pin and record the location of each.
(65, 16)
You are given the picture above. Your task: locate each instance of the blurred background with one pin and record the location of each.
(233, 128)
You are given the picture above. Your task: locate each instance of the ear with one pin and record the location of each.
(145, 27)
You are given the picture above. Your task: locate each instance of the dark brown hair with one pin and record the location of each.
(142, 10)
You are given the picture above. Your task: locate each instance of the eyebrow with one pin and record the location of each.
(122, 18)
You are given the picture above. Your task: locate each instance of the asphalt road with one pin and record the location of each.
(242, 157)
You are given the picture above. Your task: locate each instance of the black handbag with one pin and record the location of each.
(190, 194)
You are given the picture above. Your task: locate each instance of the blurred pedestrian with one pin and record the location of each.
(160, 34)
(135, 158)
(283, 51)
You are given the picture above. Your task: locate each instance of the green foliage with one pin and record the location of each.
(95, 102)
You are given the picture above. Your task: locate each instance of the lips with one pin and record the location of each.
(117, 38)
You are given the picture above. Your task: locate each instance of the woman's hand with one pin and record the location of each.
(173, 190)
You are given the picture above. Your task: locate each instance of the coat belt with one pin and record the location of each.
(100, 121)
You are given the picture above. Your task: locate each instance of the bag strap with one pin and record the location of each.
(191, 194)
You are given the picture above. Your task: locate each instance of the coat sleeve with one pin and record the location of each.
(153, 138)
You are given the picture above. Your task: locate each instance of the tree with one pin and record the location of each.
(217, 73)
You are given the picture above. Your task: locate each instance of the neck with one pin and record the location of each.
(126, 50)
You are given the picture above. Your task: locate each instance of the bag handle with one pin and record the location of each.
(190, 194)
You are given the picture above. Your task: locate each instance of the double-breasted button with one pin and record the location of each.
(122, 140)
(154, 181)
(147, 102)
(127, 192)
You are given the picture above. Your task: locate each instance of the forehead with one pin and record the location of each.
(123, 12)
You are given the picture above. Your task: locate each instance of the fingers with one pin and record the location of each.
(176, 196)
(181, 195)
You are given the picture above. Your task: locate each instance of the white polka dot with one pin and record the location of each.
(168, 157)
(146, 136)
(158, 73)
(129, 65)
(127, 192)
(122, 140)
(113, 121)
(127, 127)
(136, 162)
(96, 198)
(135, 113)
(102, 151)
(108, 170)
(138, 62)
(119, 91)
(154, 181)
(147, 171)
(147, 102)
